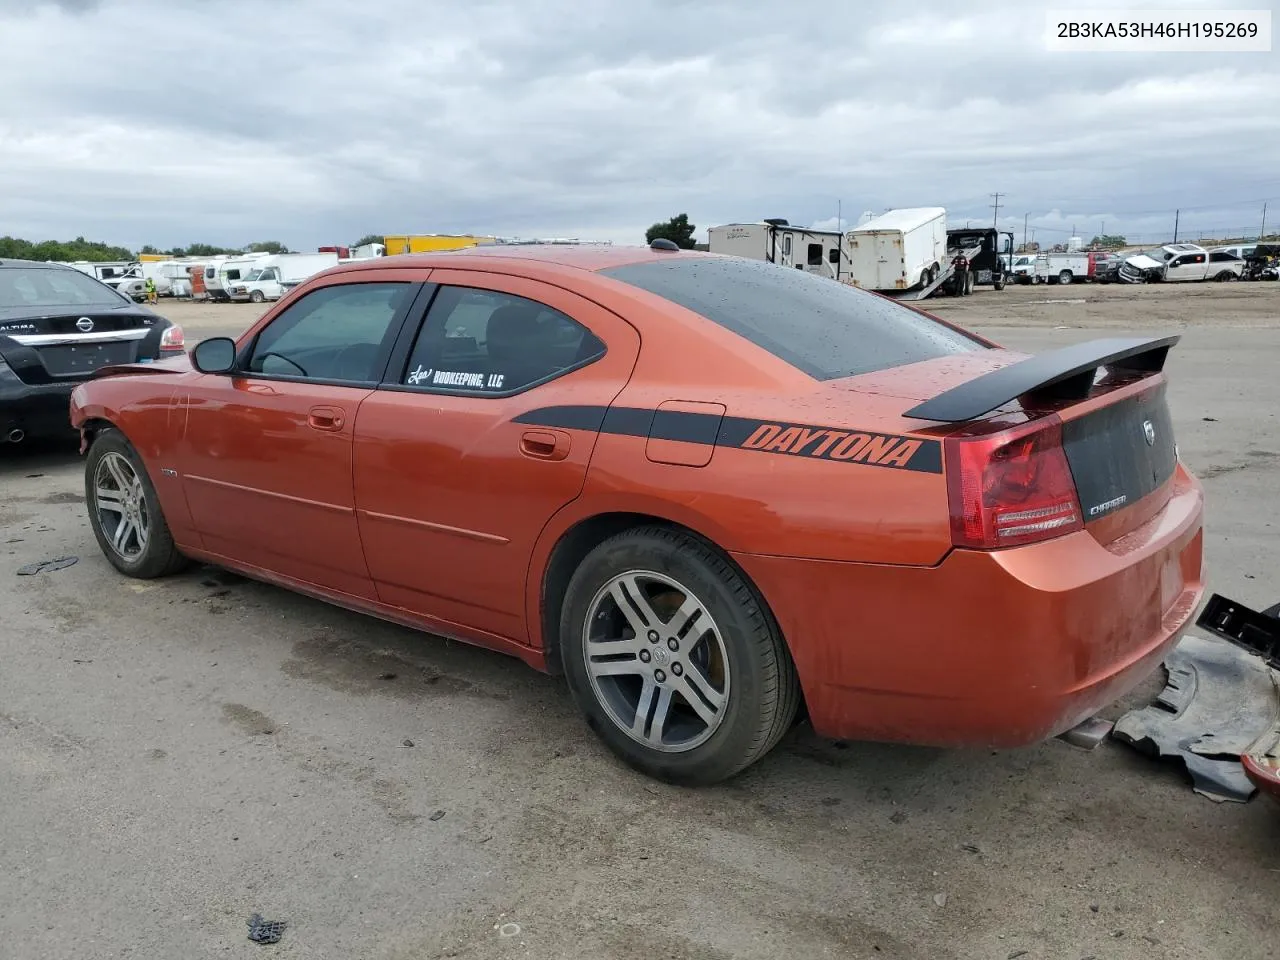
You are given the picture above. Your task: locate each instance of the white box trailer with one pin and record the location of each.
(274, 276)
(904, 249)
(776, 241)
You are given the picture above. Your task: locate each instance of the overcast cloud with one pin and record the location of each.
(318, 121)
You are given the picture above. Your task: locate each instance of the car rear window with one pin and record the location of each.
(824, 327)
(52, 287)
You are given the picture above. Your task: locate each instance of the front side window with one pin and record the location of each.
(334, 333)
(484, 341)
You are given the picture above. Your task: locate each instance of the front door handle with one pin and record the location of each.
(545, 444)
(325, 418)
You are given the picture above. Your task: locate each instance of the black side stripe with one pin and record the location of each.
(844, 445)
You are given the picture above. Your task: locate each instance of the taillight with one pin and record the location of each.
(172, 338)
(1012, 487)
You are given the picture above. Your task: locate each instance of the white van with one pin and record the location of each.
(274, 276)
(220, 275)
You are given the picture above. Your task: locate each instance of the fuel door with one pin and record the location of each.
(683, 432)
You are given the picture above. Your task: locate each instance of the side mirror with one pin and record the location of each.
(215, 355)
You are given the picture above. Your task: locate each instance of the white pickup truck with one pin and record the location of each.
(1178, 262)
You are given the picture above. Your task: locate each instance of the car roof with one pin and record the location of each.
(588, 258)
(34, 264)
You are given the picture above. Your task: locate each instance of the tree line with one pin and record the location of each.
(15, 248)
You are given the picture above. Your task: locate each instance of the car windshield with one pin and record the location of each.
(254, 275)
(821, 326)
(52, 287)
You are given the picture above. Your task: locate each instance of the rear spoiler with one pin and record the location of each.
(1064, 374)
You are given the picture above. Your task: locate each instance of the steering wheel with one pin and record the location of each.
(272, 353)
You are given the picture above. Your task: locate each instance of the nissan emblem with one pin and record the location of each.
(84, 324)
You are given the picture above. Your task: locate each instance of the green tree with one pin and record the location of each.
(148, 249)
(201, 250)
(1108, 241)
(371, 238)
(267, 246)
(16, 248)
(678, 230)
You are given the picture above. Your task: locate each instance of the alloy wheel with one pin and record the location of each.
(656, 661)
(121, 506)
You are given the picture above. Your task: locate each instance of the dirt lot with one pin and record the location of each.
(177, 755)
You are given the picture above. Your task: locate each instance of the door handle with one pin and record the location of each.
(545, 444)
(325, 418)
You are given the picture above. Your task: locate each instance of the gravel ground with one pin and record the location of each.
(177, 755)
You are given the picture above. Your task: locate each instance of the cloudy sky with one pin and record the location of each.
(318, 121)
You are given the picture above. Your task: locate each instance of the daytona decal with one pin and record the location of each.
(864, 447)
(885, 451)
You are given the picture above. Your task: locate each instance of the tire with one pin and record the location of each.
(107, 469)
(256, 296)
(1065, 277)
(1224, 276)
(739, 643)
(968, 283)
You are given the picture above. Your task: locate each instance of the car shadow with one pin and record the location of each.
(34, 456)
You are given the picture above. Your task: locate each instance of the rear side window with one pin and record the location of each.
(485, 341)
(821, 326)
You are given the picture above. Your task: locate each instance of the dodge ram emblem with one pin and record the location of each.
(1150, 431)
(84, 324)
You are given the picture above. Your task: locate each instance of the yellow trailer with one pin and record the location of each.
(432, 242)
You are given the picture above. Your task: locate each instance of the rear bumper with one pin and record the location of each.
(997, 649)
(35, 409)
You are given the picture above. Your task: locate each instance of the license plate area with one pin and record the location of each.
(75, 358)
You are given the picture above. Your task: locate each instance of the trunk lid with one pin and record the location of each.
(70, 344)
(1117, 432)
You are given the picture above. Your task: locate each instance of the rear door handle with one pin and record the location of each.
(545, 444)
(325, 418)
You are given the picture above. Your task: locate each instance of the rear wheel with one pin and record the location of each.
(1065, 277)
(124, 510)
(968, 282)
(676, 665)
(1224, 276)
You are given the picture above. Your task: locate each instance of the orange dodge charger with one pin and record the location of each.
(714, 493)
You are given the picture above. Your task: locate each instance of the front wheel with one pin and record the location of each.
(124, 510)
(673, 660)
(256, 296)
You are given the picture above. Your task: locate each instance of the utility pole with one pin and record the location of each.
(1024, 230)
(1263, 232)
(1175, 225)
(995, 219)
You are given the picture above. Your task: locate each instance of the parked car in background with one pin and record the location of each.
(1179, 263)
(1029, 268)
(823, 502)
(58, 325)
(1106, 268)
(274, 276)
(220, 275)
